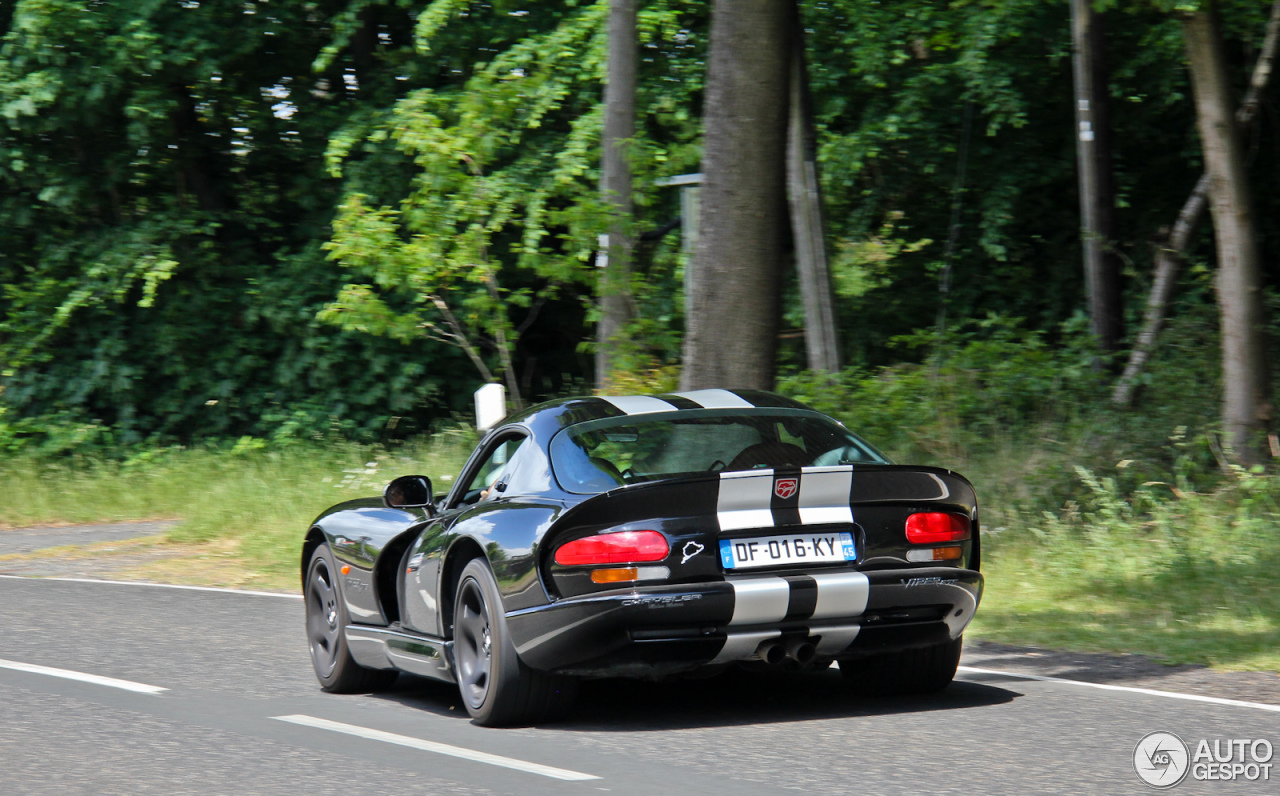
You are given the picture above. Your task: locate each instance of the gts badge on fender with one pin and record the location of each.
(356, 584)
(910, 582)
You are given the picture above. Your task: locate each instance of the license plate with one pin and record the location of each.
(794, 548)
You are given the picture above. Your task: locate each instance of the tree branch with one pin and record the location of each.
(460, 337)
(1169, 257)
(504, 349)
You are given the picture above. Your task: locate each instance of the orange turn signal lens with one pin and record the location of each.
(629, 574)
(619, 575)
(935, 554)
(345, 569)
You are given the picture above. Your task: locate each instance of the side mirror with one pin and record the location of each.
(409, 492)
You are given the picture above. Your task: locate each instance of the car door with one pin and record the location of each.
(479, 490)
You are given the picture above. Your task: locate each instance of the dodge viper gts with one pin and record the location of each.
(647, 536)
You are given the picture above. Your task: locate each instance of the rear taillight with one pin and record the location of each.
(936, 527)
(626, 547)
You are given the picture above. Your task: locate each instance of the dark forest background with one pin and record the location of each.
(224, 219)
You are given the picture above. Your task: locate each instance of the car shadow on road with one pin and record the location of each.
(735, 697)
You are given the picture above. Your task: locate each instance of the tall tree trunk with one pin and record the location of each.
(1246, 408)
(615, 185)
(732, 323)
(1168, 260)
(196, 160)
(1097, 194)
(821, 336)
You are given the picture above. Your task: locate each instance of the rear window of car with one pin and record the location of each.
(600, 455)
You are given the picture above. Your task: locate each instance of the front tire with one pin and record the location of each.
(336, 670)
(496, 686)
(925, 670)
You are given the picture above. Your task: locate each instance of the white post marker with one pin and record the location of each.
(96, 679)
(491, 406)
(437, 748)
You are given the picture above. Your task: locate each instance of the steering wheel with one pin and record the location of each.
(714, 469)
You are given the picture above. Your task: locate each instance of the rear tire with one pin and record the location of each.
(925, 670)
(336, 670)
(496, 686)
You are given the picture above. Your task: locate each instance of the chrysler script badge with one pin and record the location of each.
(786, 487)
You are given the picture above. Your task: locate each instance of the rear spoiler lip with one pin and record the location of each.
(568, 517)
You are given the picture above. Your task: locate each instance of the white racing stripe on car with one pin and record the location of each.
(640, 404)
(743, 501)
(96, 679)
(824, 495)
(759, 600)
(716, 399)
(835, 640)
(841, 594)
(437, 748)
(745, 497)
(742, 646)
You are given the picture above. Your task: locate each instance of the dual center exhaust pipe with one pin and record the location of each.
(775, 651)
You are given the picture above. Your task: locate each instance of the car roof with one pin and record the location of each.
(551, 416)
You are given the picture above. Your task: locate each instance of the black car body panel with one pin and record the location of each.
(686, 611)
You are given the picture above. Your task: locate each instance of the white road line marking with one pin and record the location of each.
(67, 674)
(160, 586)
(437, 748)
(1131, 689)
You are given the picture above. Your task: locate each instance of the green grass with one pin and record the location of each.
(1158, 569)
(263, 499)
(1167, 572)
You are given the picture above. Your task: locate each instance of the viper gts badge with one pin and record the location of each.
(909, 582)
(786, 487)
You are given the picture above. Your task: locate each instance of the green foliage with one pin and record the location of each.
(162, 207)
(1018, 414)
(984, 378)
(502, 214)
(1100, 573)
(186, 186)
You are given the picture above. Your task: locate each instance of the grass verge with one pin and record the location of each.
(1163, 570)
(1167, 572)
(255, 500)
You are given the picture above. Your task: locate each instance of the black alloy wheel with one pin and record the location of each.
(336, 670)
(496, 686)
(473, 644)
(322, 618)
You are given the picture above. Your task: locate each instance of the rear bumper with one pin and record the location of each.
(664, 629)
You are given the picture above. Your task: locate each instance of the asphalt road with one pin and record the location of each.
(27, 540)
(232, 664)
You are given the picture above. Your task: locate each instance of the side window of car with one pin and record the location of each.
(488, 478)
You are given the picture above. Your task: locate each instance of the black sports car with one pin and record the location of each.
(647, 536)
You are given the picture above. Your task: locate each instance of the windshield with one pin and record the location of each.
(597, 456)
